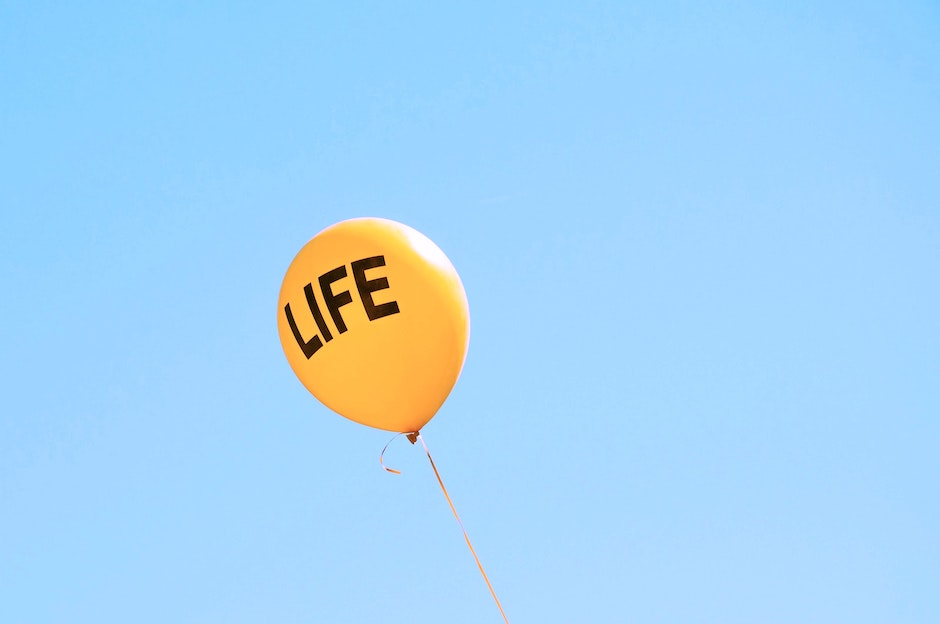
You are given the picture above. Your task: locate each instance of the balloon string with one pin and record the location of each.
(417, 435)
(382, 456)
(414, 437)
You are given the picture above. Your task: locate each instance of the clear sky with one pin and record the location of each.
(701, 246)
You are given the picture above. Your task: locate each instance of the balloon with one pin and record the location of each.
(373, 319)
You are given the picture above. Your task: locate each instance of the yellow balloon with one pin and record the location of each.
(374, 322)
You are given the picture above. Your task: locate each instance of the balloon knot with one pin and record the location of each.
(413, 436)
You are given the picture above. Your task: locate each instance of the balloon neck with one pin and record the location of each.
(413, 436)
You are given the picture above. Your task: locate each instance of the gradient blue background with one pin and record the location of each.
(701, 245)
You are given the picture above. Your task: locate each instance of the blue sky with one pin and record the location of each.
(701, 246)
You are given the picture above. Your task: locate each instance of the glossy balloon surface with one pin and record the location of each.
(373, 319)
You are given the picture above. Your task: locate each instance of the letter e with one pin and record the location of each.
(367, 287)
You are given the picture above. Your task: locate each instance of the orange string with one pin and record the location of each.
(414, 437)
(465, 535)
(382, 456)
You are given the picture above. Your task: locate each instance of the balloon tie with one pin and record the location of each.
(413, 437)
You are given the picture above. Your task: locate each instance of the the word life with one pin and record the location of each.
(335, 301)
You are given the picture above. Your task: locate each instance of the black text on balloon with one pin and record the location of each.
(336, 300)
